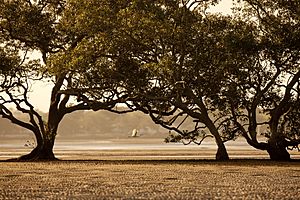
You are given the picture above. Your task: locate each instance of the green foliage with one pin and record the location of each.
(268, 78)
(188, 137)
(162, 55)
(166, 58)
(29, 23)
(9, 62)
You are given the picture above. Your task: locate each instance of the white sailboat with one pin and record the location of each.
(134, 133)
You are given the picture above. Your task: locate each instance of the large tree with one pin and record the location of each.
(186, 72)
(34, 27)
(165, 58)
(267, 79)
(171, 60)
(25, 27)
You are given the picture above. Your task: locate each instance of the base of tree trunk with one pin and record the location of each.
(38, 154)
(222, 154)
(278, 153)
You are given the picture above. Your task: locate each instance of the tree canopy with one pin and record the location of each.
(268, 79)
(34, 26)
(167, 58)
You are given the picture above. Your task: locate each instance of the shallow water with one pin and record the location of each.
(136, 148)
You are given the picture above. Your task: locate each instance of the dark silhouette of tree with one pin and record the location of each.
(28, 26)
(164, 58)
(168, 59)
(268, 75)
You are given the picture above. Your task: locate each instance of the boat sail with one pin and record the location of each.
(134, 133)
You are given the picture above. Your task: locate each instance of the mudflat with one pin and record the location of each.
(150, 179)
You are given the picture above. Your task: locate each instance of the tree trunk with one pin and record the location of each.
(46, 152)
(43, 151)
(222, 154)
(277, 146)
(277, 150)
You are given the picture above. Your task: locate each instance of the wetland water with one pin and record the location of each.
(136, 149)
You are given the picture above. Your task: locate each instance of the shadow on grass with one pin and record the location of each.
(240, 162)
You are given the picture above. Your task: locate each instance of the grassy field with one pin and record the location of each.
(150, 179)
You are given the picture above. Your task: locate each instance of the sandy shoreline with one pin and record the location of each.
(150, 179)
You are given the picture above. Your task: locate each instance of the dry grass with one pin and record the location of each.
(149, 173)
(150, 179)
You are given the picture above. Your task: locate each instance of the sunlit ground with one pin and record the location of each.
(149, 179)
(138, 168)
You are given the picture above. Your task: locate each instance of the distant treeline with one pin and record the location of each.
(98, 125)
(103, 124)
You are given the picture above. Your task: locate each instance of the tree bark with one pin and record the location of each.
(46, 152)
(277, 150)
(43, 151)
(277, 145)
(221, 154)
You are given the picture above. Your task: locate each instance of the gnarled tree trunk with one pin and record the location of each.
(221, 154)
(43, 150)
(277, 149)
(277, 145)
(45, 139)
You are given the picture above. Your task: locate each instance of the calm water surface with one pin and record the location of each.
(136, 148)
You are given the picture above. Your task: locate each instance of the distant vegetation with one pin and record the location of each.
(97, 125)
(93, 125)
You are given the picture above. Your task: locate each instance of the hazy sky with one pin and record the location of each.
(42, 90)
